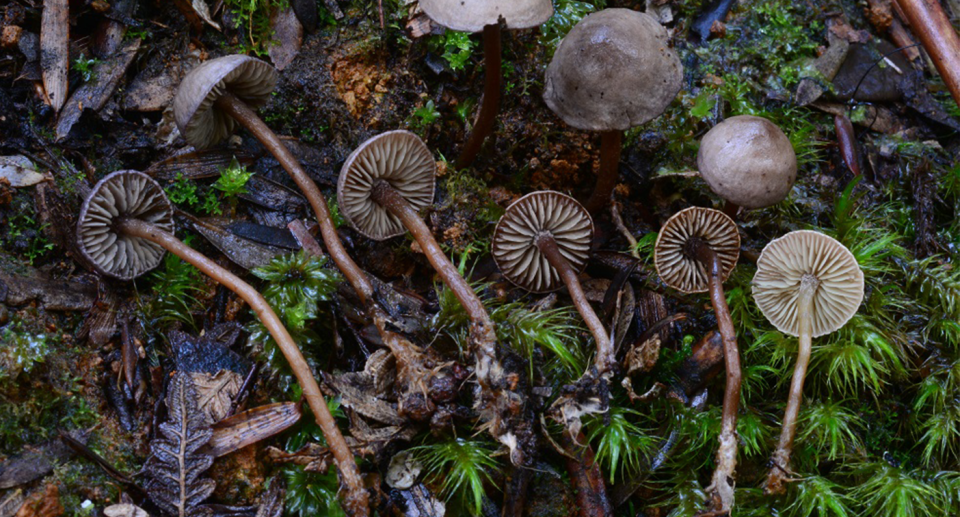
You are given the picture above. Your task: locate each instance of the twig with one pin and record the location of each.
(939, 39)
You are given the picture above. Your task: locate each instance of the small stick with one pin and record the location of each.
(939, 39)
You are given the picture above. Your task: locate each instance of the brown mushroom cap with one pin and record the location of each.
(782, 265)
(614, 70)
(676, 267)
(123, 194)
(515, 247)
(200, 123)
(402, 160)
(747, 160)
(473, 15)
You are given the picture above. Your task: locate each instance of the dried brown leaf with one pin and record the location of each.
(215, 393)
(54, 52)
(251, 426)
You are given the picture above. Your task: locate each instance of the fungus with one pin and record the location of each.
(748, 162)
(124, 226)
(541, 243)
(696, 251)
(614, 70)
(807, 285)
(485, 16)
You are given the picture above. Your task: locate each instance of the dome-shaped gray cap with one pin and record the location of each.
(685, 273)
(781, 267)
(473, 15)
(401, 159)
(200, 123)
(123, 194)
(614, 70)
(748, 160)
(515, 247)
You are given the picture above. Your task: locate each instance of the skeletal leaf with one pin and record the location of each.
(175, 467)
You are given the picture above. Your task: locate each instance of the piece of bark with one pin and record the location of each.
(288, 34)
(32, 464)
(932, 26)
(245, 253)
(54, 50)
(193, 164)
(95, 93)
(109, 34)
(54, 295)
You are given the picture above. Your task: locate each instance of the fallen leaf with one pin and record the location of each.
(215, 393)
(203, 11)
(54, 53)
(19, 171)
(125, 510)
(251, 426)
(42, 504)
(288, 33)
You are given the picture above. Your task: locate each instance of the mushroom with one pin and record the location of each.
(807, 285)
(125, 225)
(485, 15)
(748, 162)
(222, 92)
(695, 252)
(541, 243)
(382, 185)
(614, 70)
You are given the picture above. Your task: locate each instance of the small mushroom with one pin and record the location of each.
(696, 251)
(125, 224)
(614, 70)
(485, 16)
(222, 92)
(748, 162)
(807, 285)
(541, 243)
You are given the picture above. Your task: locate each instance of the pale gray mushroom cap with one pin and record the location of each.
(401, 159)
(123, 194)
(683, 272)
(473, 15)
(748, 160)
(614, 70)
(200, 123)
(515, 240)
(782, 265)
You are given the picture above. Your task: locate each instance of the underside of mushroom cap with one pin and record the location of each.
(200, 123)
(674, 264)
(401, 159)
(748, 161)
(515, 247)
(473, 15)
(123, 194)
(614, 70)
(783, 264)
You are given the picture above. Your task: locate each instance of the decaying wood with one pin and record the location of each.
(930, 23)
(54, 50)
(53, 294)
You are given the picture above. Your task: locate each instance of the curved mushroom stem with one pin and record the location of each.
(247, 118)
(482, 333)
(356, 500)
(611, 143)
(724, 477)
(781, 456)
(490, 104)
(605, 354)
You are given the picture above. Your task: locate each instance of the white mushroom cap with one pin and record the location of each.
(402, 160)
(685, 273)
(123, 194)
(200, 123)
(473, 15)
(782, 265)
(515, 248)
(614, 70)
(748, 160)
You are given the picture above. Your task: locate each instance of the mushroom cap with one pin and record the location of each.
(613, 70)
(782, 265)
(401, 159)
(515, 248)
(202, 126)
(473, 15)
(123, 194)
(748, 160)
(682, 272)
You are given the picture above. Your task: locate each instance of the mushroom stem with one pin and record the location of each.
(242, 113)
(724, 477)
(355, 502)
(781, 456)
(490, 103)
(605, 355)
(610, 146)
(481, 329)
